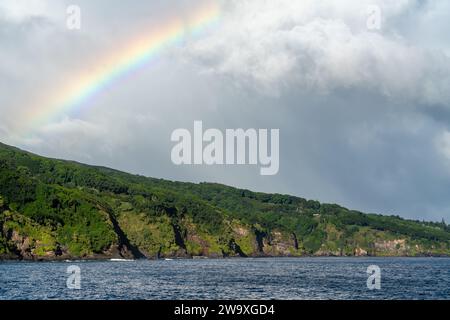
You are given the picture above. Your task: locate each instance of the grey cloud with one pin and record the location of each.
(274, 45)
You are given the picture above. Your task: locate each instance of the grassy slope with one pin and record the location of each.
(58, 209)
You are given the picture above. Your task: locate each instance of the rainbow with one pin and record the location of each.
(137, 53)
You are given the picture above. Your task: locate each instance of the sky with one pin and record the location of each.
(358, 89)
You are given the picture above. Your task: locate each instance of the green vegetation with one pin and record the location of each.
(58, 209)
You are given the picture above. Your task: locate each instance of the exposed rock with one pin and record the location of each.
(280, 244)
(360, 252)
(391, 247)
(241, 231)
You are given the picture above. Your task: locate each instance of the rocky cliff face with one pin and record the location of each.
(23, 239)
(137, 236)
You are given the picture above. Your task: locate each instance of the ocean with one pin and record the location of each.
(246, 278)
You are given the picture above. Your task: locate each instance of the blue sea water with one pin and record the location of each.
(262, 278)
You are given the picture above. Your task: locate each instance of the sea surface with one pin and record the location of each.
(259, 278)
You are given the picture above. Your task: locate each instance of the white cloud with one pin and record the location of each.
(324, 46)
(69, 137)
(19, 11)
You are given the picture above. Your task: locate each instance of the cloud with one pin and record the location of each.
(442, 143)
(20, 12)
(322, 47)
(68, 137)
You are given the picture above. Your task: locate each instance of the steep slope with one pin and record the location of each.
(55, 209)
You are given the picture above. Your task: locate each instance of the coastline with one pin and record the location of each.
(121, 259)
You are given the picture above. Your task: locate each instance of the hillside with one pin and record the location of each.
(55, 209)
